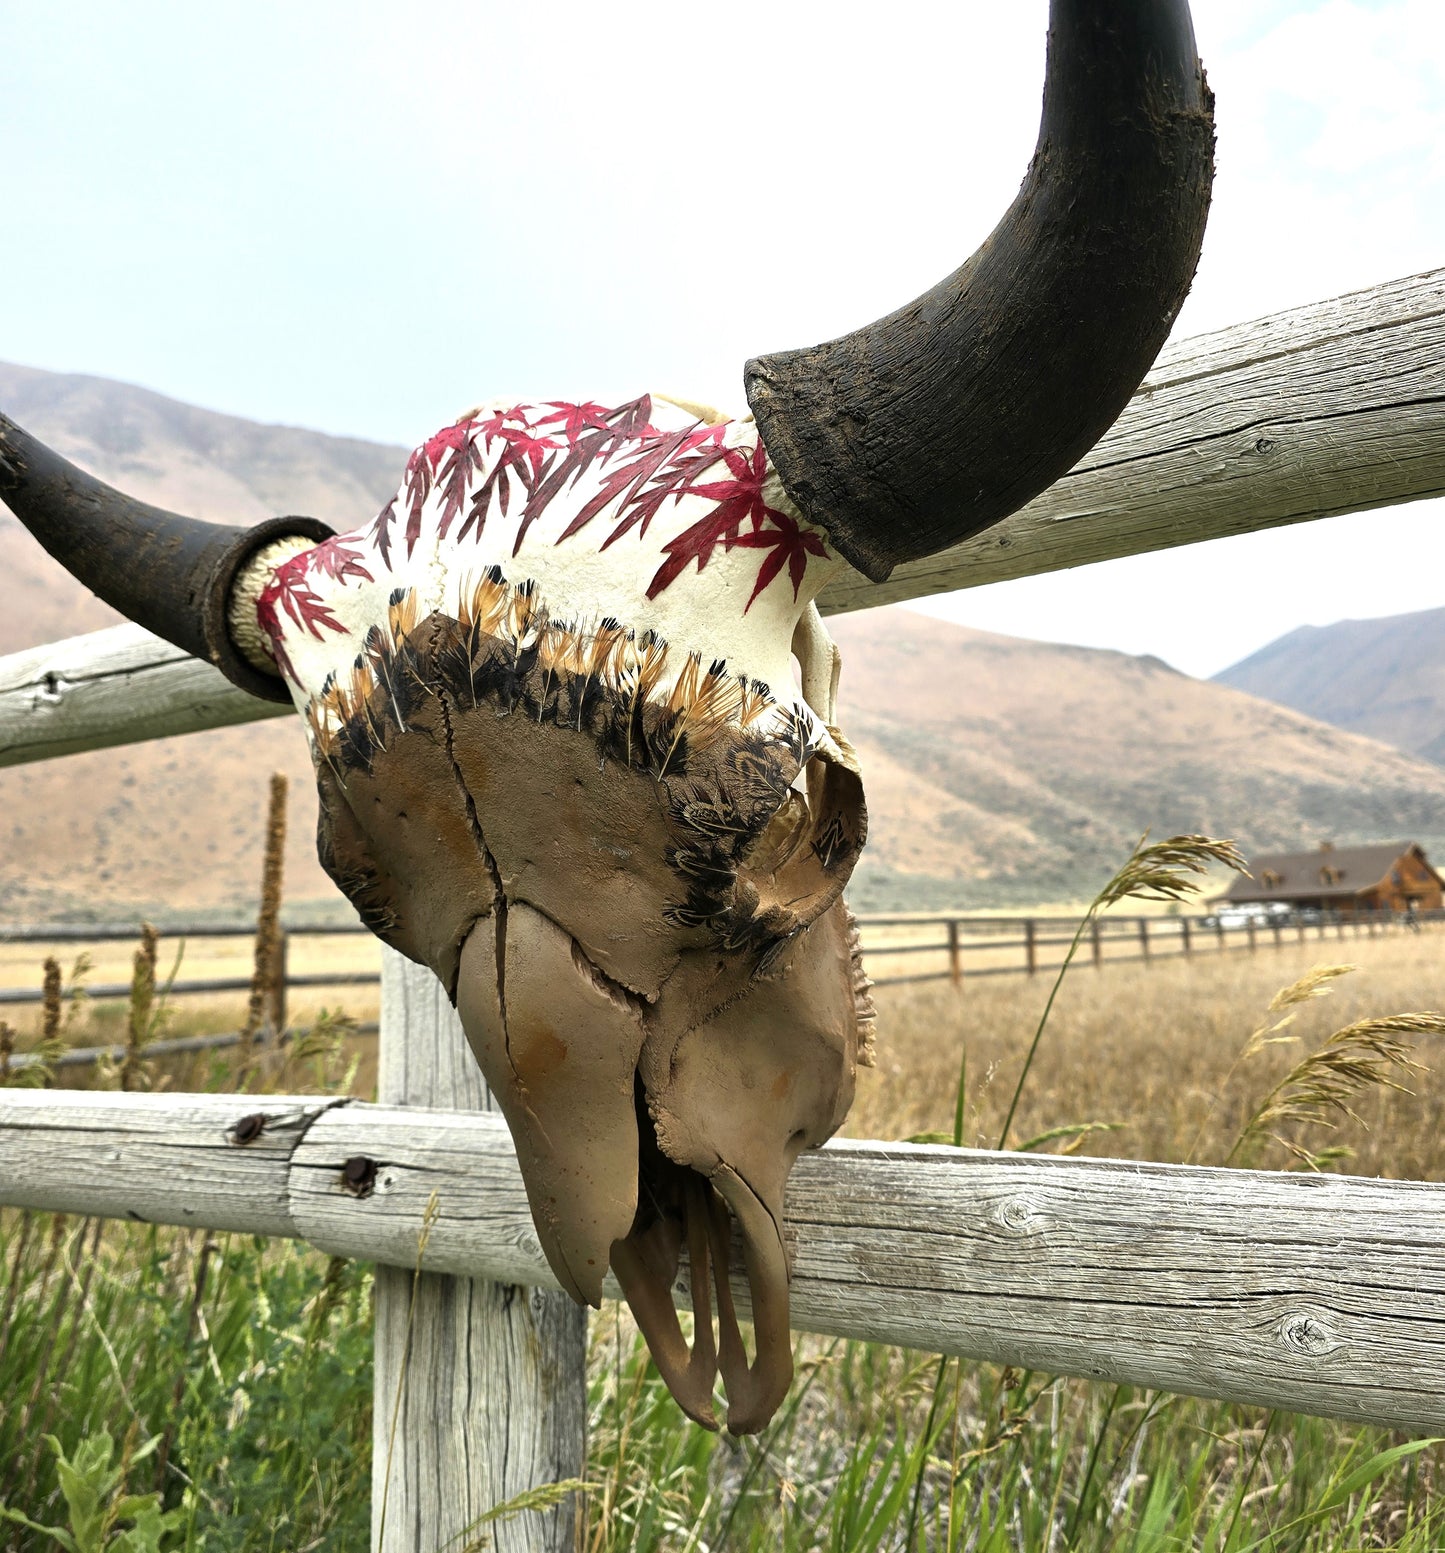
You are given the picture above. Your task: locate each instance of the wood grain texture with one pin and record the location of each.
(118, 686)
(1337, 407)
(214, 1161)
(493, 1400)
(1324, 1294)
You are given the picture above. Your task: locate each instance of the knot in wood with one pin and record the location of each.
(249, 1128)
(1306, 1334)
(358, 1175)
(1017, 1214)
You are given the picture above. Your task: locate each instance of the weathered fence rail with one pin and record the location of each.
(1318, 1293)
(1314, 1292)
(104, 990)
(169, 1046)
(1322, 410)
(1155, 938)
(121, 932)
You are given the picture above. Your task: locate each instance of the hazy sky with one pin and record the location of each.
(363, 218)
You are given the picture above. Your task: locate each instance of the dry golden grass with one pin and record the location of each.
(1156, 1047)
(96, 1022)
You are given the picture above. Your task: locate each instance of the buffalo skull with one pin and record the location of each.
(561, 753)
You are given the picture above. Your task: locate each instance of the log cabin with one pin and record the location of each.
(1350, 881)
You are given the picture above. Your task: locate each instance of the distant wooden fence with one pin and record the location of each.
(1322, 1293)
(1013, 946)
(1037, 945)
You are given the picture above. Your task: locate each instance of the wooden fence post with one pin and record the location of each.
(1031, 954)
(494, 1397)
(276, 1014)
(1249, 924)
(955, 959)
(1097, 947)
(1144, 936)
(1275, 924)
(1219, 933)
(1184, 932)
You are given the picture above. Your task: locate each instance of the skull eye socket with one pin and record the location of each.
(788, 830)
(798, 866)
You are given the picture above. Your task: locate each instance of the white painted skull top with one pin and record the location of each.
(642, 516)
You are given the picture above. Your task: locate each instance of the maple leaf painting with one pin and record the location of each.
(338, 559)
(739, 501)
(290, 593)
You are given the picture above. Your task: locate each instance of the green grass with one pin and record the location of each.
(1006, 1461)
(255, 1402)
(244, 1364)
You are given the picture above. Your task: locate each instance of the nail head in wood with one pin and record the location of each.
(249, 1128)
(358, 1175)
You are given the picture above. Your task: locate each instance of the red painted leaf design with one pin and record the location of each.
(459, 458)
(339, 559)
(628, 423)
(290, 593)
(743, 519)
(576, 418)
(417, 485)
(545, 449)
(669, 471)
(381, 532)
(787, 542)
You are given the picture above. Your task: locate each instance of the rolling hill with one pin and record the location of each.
(196, 461)
(1009, 763)
(1384, 678)
(998, 770)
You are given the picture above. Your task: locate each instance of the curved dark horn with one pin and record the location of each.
(927, 426)
(173, 575)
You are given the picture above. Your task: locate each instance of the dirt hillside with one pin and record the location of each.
(1005, 770)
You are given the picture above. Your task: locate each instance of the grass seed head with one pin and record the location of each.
(1169, 870)
(1365, 1055)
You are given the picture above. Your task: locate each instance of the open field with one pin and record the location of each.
(247, 1363)
(1154, 1047)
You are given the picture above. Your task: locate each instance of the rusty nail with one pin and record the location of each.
(358, 1175)
(249, 1128)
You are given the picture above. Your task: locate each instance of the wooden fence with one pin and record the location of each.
(970, 947)
(1321, 1293)
(952, 946)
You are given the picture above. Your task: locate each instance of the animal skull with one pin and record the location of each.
(562, 762)
(562, 757)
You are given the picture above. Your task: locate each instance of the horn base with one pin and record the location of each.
(222, 648)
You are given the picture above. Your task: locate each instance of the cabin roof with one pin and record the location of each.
(1282, 876)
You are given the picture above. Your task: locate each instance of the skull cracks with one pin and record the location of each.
(550, 695)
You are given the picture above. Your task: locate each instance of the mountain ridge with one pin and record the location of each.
(1383, 677)
(1071, 752)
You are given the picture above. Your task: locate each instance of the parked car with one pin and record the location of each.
(1242, 913)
